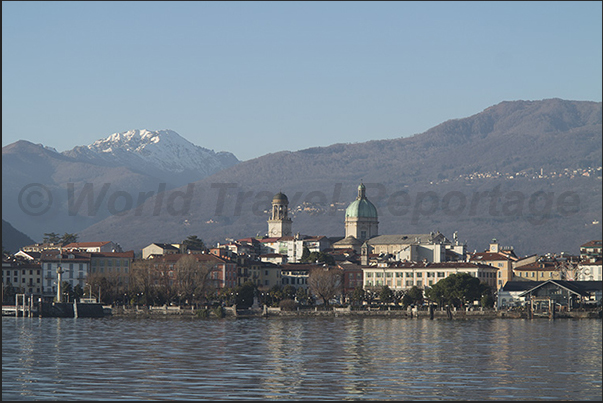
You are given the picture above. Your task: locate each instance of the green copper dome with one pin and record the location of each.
(361, 207)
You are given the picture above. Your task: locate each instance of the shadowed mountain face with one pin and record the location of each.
(13, 239)
(527, 173)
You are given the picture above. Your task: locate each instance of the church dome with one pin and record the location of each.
(280, 198)
(361, 207)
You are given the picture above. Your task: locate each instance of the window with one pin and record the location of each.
(440, 274)
(419, 283)
(419, 275)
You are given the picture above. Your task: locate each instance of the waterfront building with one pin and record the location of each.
(115, 265)
(538, 271)
(72, 267)
(405, 275)
(23, 274)
(296, 274)
(502, 258)
(222, 271)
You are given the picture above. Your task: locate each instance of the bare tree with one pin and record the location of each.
(192, 278)
(143, 276)
(325, 282)
(569, 270)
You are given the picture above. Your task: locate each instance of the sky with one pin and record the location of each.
(254, 78)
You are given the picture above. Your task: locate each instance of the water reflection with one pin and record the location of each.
(300, 358)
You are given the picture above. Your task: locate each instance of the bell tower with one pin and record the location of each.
(279, 223)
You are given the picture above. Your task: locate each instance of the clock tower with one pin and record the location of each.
(279, 223)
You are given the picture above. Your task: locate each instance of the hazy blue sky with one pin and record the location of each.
(259, 77)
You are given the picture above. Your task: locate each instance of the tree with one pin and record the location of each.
(302, 296)
(305, 254)
(192, 278)
(51, 237)
(68, 238)
(275, 295)
(143, 275)
(244, 294)
(386, 295)
(357, 295)
(413, 296)
(318, 257)
(8, 293)
(456, 289)
(289, 292)
(326, 283)
(78, 292)
(194, 243)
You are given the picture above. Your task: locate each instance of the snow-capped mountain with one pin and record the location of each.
(157, 152)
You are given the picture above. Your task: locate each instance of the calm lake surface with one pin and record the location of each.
(300, 358)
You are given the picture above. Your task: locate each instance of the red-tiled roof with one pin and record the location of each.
(86, 244)
(592, 244)
(488, 256)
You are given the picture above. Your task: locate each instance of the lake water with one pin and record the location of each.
(300, 358)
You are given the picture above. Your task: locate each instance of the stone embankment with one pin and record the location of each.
(171, 311)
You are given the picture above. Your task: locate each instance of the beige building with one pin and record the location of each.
(502, 258)
(24, 275)
(405, 275)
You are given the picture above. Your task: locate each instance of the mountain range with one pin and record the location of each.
(527, 173)
(134, 161)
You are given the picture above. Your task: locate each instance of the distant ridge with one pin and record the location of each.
(12, 239)
(506, 148)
